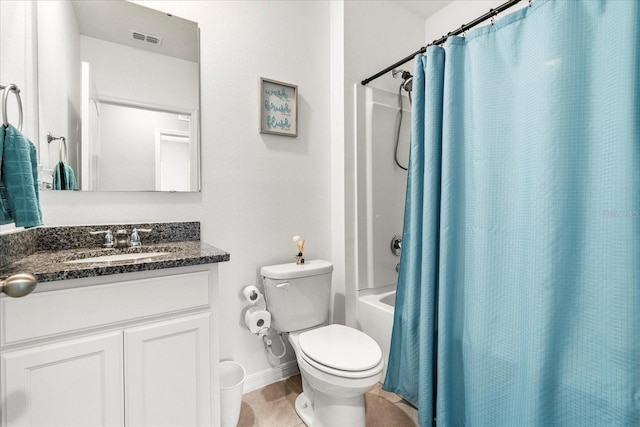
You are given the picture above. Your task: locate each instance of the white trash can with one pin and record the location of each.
(232, 377)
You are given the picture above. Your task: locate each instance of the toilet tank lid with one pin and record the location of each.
(292, 270)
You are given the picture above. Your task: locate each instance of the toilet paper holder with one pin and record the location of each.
(252, 294)
(258, 319)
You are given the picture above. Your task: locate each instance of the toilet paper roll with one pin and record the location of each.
(252, 294)
(257, 319)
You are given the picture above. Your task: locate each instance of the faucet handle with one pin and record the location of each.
(135, 236)
(108, 237)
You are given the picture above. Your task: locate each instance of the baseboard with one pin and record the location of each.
(270, 376)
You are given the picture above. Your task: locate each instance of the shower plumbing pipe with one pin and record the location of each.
(465, 27)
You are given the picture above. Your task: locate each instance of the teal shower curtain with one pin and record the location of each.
(518, 299)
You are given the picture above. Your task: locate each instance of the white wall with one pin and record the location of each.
(58, 82)
(260, 190)
(377, 34)
(384, 184)
(127, 74)
(17, 40)
(257, 190)
(128, 153)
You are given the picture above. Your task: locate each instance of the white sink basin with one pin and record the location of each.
(117, 257)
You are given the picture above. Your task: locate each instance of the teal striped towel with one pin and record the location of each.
(66, 181)
(19, 198)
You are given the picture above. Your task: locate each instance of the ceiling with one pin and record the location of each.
(114, 21)
(115, 24)
(423, 8)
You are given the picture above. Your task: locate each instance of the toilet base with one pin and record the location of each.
(330, 412)
(304, 409)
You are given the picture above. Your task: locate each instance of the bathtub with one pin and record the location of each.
(375, 316)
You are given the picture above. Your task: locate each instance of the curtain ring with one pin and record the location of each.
(11, 88)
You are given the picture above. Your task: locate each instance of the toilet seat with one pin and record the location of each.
(343, 374)
(341, 350)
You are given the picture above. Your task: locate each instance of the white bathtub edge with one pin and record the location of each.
(375, 318)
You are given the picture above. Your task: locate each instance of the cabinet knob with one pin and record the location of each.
(18, 285)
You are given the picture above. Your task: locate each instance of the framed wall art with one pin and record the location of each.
(278, 108)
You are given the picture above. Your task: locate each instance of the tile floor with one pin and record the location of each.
(273, 406)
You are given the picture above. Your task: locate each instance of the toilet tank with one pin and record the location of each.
(297, 296)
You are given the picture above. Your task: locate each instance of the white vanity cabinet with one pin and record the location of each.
(68, 383)
(167, 372)
(134, 349)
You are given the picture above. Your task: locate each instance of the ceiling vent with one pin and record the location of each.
(148, 38)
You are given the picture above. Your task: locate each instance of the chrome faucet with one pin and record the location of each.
(135, 236)
(122, 239)
(108, 237)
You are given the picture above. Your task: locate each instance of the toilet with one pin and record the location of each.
(338, 364)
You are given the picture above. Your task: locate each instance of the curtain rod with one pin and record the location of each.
(462, 29)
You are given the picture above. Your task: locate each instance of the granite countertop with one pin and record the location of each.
(48, 266)
(46, 252)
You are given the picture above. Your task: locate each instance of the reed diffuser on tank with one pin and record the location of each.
(300, 245)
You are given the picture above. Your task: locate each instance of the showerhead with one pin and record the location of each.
(394, 73)
(406, 76)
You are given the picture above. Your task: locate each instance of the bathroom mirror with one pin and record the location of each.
(121, 84)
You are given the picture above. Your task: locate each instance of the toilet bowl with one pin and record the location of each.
(338, 364)
(335, 376)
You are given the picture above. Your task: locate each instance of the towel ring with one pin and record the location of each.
(5, 95)
(62, 140)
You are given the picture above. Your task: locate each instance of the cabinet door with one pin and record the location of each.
(70, 383)
(168, 373)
